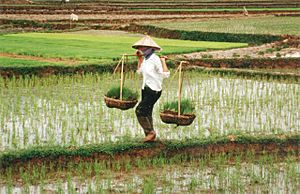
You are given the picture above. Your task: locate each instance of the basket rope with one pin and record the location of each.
(180, 81)
(124, 60)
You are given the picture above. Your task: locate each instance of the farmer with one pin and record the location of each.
(154, 70)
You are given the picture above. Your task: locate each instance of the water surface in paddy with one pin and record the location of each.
(71, 109)
(187, 177)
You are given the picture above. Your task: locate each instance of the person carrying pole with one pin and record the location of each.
(153, 70)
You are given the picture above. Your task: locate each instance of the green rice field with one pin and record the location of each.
(70, 110)
(246, 25)
(43, 118)
(222, 174)
(92, 49)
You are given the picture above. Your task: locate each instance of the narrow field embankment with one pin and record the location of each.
(266, 63)
(244, 68)
(133, 149)
(207, 66)
(42, 71)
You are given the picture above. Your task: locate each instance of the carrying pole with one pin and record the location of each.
(116, 68)
(179, 86)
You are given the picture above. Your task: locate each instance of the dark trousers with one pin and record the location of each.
(145, 108)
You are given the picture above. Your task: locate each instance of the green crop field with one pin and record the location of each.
(57, 135)
(47, 113)
(70, 109)
(247, 25)
(263, 174)
(92, 48)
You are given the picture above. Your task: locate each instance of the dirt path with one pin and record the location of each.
(41, 59)
(289, 47)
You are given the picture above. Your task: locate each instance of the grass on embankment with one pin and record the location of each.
(132, 147)
(20, 67)
(245, 25)
(93, 48)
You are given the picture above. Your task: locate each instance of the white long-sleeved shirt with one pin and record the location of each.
(153, 73)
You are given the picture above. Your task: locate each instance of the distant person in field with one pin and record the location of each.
(245, 12)
(64, 1)
(154, 70)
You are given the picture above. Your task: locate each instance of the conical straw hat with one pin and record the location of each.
(147, 41)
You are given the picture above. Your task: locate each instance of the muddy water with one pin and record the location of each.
(71, 110)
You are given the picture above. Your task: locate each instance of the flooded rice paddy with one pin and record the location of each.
(70, 110)
(220, 174)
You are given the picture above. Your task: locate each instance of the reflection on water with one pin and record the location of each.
(71, 110)
(183, 178)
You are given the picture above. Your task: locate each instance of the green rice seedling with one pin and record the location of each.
(26, 188)
(128, 166)
(204, 56)
(59, 187)
(8, 177)
(235, 55)
(247, 56)
(148, 185)
(269, 50)
(186, 106)
(193, 184)
(140, 163)
(261, 53)
(24, 176)
(9, 188)
(109, 184)
(130, 187)
(184, 175)
(117, 166)
(127, 93)
(71, 188)
(285, 46)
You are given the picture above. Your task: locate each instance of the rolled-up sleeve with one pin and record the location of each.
(166, 74)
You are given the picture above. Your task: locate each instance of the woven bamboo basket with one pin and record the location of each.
(172, 117)
(120, 104)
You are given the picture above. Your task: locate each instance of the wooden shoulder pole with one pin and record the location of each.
(179, 87)
(122, 75)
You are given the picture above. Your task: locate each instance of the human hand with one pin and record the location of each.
(164, 57)
(139, 53)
